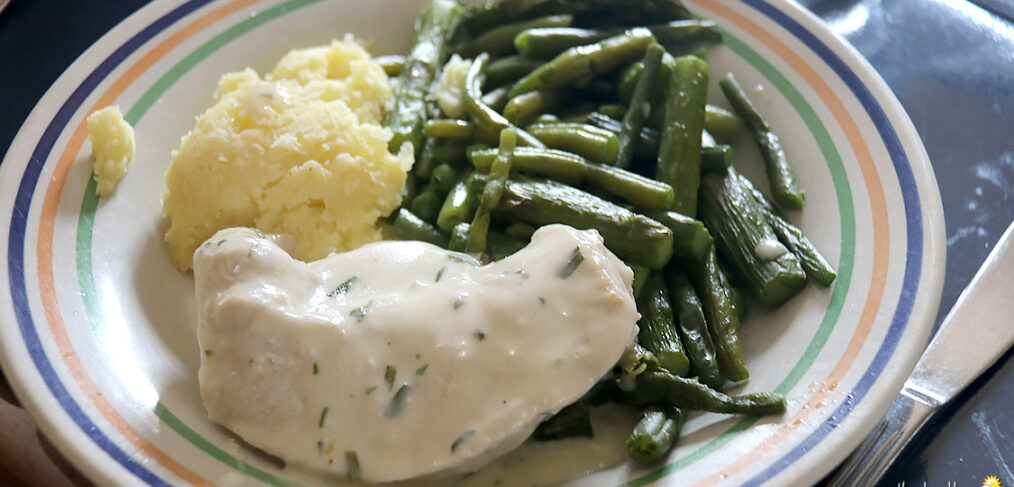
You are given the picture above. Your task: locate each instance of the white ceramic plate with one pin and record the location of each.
(98, 328)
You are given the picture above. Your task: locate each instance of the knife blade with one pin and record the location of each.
(971, 338)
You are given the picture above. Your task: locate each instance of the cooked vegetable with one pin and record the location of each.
(720, 313)
(658, 329)
(741, 233)
(655, 433)
(661, 387)
(635, 238)
(679, 153)
(492, 192)
(437, 23)
(486, 121)
(587, 61)
(780, 174)
(640, 105)
(500, 41)
(572, 421)
(584, 140)
(410, 227)
(693, 328)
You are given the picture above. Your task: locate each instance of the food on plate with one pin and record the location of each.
(299, 152)
(570, 182)
(400, 359)
(112, 140)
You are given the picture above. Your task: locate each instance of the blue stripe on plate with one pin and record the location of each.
(19, 221)
(914, 227)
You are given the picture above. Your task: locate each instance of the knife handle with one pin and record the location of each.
(878, 452)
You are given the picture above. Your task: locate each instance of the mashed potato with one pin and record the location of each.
(300, 152)
(112, 141)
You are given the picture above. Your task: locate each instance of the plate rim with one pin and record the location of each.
(926, 186)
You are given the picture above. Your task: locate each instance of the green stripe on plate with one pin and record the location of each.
(845, 265)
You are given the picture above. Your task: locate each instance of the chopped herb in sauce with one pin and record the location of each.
(370, 389)
(208, 352)
(421, 370)
(342, 288)
(440, 274)
(259, 233)
(479, 335)
(389, 374)
(570, 265)
(461, 439)
(320, 447)
(220, 242)
(542, 301)
(352, 465)
(360, 313)
(397, 402)
(459, 303)
(323, 414)
(463, 258)
(315, 369)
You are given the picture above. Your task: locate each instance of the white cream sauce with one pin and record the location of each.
(769, 249)
(419, 361)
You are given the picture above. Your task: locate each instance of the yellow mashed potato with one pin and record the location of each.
(112, 140)
(300, 152)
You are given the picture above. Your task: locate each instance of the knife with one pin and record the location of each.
(946, 367)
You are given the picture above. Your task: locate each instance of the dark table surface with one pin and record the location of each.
(950, 62)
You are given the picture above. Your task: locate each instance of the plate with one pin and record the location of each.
(98, 334)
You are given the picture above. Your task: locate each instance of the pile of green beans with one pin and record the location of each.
(593, 114)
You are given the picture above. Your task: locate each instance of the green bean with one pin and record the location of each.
(643, 192)
(460, 203)
(444, 177)
(522, 109)
(679, 150)
(565, 166)
(584, 140)
(723, 322)
(391, 64)
(499, 245)
(551, 163)
(509, 69)
(545, 43)
(658, 328)
(410, 227)
(426, 160)
(635, 238)
(500, 40)
(742, 233)
(499, 171)
(427, 203)
(497, 98)
(459, 237)
(451, 152)
(646, 146)
(627, 81)
(640, 105)
(691, 239)
(448, 128)
(481, 18)
(613, 110)
(780, 174)
(655, 434)
(519, 231)
(585, 62)
(661, 387)
(723, 124)
(572, 421)
(813, 263)
(546, 118)
(716, 158)
(487, 122)
(548, 42)
(693, 328)
(641, 274)
(435, 27)
(637, 360)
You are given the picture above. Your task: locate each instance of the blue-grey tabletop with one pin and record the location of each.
(950, 63)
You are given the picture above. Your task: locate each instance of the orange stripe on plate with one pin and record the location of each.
(881, 234)
(45, 242)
